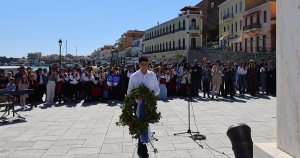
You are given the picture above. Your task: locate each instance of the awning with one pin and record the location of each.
(236, 40)
(222, 38)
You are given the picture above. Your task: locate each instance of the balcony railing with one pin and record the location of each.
(193, 27)
(165, 50)
(247, 49)
(228, 16)
(252, 26)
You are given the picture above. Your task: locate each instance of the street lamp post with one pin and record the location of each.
(60, 43)
(111, 58)
(117, 62)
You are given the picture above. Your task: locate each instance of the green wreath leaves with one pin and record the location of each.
(128, 118)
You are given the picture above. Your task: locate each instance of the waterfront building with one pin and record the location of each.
(33, 58)
(259, 26)
(174, 38)
(126, 39)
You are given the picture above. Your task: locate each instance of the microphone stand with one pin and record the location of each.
(189, 116)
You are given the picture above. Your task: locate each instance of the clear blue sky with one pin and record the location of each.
(37, 25)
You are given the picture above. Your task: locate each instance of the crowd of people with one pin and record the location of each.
(90, 83)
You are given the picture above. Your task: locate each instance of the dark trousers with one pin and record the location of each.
(200, 83)
(87, 90)
(229, 88)
(73, 92)
(142, 150)
(206, 84)
(113, 93)
(32, 99)
(63, 92)
(270, 86)
(222, 88)
(41, 89)
(195, 88)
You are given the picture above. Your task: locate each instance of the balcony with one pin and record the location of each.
(193, 27)
(250, 49)
(252, 27)
(165, 33)
(228, 17)
(165, 50)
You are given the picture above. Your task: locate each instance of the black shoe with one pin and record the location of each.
(35, 105)
(232, 98)
(208, 96)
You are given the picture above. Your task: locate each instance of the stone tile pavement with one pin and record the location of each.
(80, 130)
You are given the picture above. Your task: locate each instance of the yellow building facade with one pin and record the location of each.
(231, 24)
(174, 38)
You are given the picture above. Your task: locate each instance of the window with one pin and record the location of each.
(224, 29)
(241, 23)
(221, 17)
(257, 18)
(231, 9)
(264, 42)
(232, 28)
(228, 27)
(246, 21)
(265, 16)
(246, 41)
(235, 26)
(241, 7)
(236, 8)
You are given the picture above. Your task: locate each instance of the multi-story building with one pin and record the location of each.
(210, 20)
(259, 26)
(175, 37)
(126, 39)
(33, 58)
(231, 26)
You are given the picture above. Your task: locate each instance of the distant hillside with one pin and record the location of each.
(4, 59)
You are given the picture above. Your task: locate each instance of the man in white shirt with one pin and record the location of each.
(143, 75)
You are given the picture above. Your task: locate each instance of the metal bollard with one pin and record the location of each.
(240, 137)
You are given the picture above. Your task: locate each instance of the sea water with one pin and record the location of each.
(15, 68)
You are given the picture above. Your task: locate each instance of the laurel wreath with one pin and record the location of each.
(128, 118)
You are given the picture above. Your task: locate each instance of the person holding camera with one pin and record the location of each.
(206, 78)
(229, 80)
(196, 75)
(185, 79)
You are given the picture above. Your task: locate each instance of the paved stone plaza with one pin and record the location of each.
(89, 130)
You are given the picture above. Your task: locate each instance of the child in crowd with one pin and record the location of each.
(22, 86)
(11, 85)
